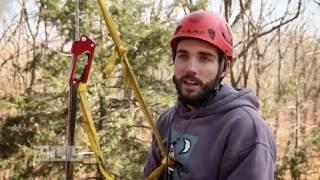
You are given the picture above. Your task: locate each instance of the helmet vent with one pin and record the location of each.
(178, 29)
(212, 33)
(229, 40)
(224, 36)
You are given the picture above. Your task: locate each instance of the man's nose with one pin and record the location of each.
(192, 66)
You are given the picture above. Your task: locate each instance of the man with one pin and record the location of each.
(214, 132)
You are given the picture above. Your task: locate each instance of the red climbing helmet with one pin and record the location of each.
(207, 26)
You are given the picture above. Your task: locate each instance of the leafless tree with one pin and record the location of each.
(252, 30)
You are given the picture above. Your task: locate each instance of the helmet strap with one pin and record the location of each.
(222, 68)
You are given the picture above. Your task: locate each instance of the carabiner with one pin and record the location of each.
(87, 46)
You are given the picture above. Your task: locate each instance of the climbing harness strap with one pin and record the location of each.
(130, 78)
(91, 131)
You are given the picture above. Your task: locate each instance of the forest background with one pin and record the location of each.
(276, 53)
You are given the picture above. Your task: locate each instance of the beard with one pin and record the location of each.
(198, 98)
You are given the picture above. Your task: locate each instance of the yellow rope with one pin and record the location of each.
(129, 78)
(157, 172)
(91, 131)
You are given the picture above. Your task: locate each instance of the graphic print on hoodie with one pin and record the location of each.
(180, 148)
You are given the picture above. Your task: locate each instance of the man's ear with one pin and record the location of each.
(223, 74)
(226, 69)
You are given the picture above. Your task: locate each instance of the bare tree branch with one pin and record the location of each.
(243, 8)
(317, 2)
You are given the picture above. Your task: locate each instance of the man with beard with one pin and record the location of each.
(214, 131)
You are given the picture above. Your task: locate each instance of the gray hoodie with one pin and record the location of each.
(226, 139)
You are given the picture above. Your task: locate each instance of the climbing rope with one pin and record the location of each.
(84, 45)
(130, 78)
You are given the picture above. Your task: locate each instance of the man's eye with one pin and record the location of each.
(182, 56)
(205, 59)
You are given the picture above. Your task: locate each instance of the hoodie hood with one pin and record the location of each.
(227, 99)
